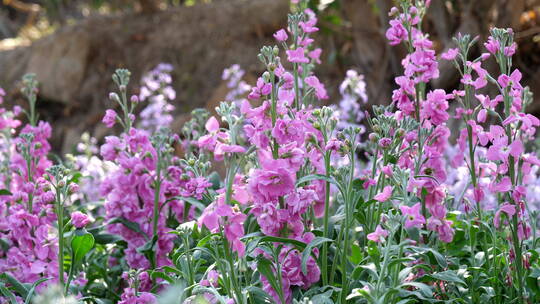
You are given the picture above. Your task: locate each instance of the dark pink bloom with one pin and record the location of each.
(110, 118)
(396, 33)
(435, 107)
(492, 45)
(79, 219)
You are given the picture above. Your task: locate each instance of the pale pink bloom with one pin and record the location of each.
(413, 216)
(503, 186)
(297, 56)
(481, 117)
(314, 82)
(378, 234)
(450, 54)
(507, 208)
(281, 35)
(384, 195)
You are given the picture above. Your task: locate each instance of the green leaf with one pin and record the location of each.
(15, 284)
(307, 252)
(311, 177)
(148, 249)
(356, 254)
(33, 288)
(81, 244)
(194, 202)
(296, 243)
(258, 295)
(8, 294)
(158, 274)
(5, 192)
(448, 276)
(264, 266)
(423, 288)
(358, 184)
(4, 245)
(205, 239)
(106, 238)
(130, 225)
(215, 180)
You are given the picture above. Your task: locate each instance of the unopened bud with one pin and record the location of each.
(373, 137)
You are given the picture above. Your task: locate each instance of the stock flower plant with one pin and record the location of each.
(331, 204)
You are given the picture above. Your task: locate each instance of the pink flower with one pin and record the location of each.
(281, 35)
(509, 51)
(384, 142)
(212, 125)
(450, 54)
(315, 55)
(492, 45)
(481, 117)
(270, 182)
(110, 118)
(507, 208)
(221, 149)
(308, 26)
(297, 56)
(333, 145)
(261, 89)
(314, 82)
(379, 234)
(413, 216)
(503, 186)
(387, 170)
(211, 279)
(396, 33)
(384, 195)
(79, 219)
(435, 107)
(286, 131)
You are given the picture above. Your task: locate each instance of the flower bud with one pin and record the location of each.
(373, 137)
(134, 99)
(114, 97)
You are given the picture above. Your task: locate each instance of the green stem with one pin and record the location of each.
(348, 203)
(60, 221)
(324, 255)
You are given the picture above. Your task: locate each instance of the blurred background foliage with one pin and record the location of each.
(74, 46)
